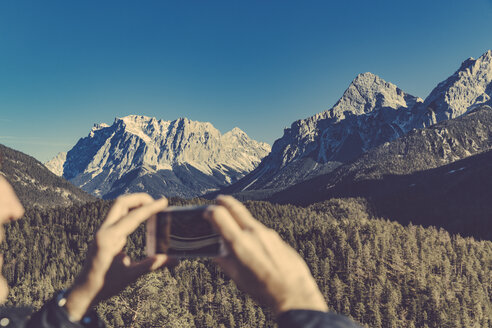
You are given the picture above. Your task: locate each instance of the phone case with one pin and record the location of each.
(183, 232)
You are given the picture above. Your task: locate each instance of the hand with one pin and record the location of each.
(107, 270)
(10, 209)
(261, 263)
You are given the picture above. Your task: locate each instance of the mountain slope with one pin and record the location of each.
(468, 87)
(370, 112)
(172, 158)
(55, 165)
(35, 185)
(434, 176)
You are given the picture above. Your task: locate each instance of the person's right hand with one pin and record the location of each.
(107, 269)
(261, 263)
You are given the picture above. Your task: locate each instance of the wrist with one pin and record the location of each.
(76, 305)
(62, 299)
(301, 299)
(81, 297)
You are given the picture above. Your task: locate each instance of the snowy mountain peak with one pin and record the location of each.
(469, 87)
(147, 128)
(368, 92)
(99, 126)
(467, 64)
(370, 112)
(55, 165)
(488, 55)
(366, 78)
(133, 119)
(237, 132)
(470, 62)
(189, 157)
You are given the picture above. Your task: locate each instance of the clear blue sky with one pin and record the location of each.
(258, 65)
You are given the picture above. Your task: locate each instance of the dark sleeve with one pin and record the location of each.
(314, 319)
(53, 316)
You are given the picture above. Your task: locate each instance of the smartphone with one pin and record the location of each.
(183, 232)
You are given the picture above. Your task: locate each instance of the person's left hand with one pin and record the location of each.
(107, 270)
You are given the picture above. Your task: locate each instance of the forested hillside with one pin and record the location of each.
(34, 184)
(380, 273)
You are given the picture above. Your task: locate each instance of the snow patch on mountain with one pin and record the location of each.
(55, 165)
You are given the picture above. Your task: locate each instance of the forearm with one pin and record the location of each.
(54, 315)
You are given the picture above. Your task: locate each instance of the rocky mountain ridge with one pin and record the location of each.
(421, 149)
(470, 86)
(55, 165)
(437, 175)
(370, 113)
(172, 158)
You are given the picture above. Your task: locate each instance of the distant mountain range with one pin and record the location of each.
(438, 175)
(35, 185)
(370, 113)
(187, 159)
(164, 158)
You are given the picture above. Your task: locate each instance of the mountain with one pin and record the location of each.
(55, 165)
(173, 158)
(434, 176)
(35, 185)
(468, 87)
(370, 112)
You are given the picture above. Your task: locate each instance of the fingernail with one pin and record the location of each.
(127, 261)
(159, 261)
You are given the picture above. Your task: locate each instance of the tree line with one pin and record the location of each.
(380, 273)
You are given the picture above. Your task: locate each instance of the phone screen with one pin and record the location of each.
(183, 232)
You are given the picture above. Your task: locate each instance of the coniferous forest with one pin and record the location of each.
(380, 273)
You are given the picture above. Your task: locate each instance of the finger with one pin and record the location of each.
(229, 265)
(122, 258)
(137, 269)
(124, 203)
(223, 223)
(130, 222)
(238, 211)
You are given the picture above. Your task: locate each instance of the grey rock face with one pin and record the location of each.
(469, 87)
(165, 158)
(370, 112)
(418, 151)
(55, 165)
